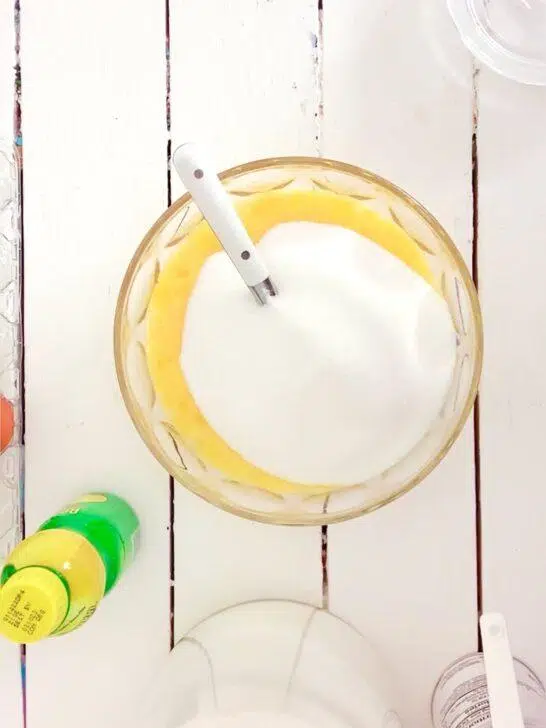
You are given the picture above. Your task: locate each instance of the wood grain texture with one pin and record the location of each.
(406, 575)
(95, 178)
(512, 214)
(244, 83)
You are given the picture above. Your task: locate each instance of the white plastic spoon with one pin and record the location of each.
(499, 673)
(211, 198)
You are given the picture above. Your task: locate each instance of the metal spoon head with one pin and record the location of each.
(263, 291)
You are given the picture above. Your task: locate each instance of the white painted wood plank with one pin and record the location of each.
(244, 78)
(392, 104)
(95, 179)
(11, 697)
(512, 160)
(223, 560)
(243, 83)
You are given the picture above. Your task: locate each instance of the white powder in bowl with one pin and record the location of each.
(340, 376)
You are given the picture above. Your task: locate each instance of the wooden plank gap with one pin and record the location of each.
(318, 63)
(324, 562)
(172, 484)
(172, 562)
(18, 140)
(318, 60)
(476, 414)
(168, 96)
(23, 658)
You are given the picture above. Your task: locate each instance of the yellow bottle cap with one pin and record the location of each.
(33, 603)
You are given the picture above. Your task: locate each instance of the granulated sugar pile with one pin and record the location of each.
(337, 378)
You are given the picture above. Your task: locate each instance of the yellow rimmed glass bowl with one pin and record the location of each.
(449, 274)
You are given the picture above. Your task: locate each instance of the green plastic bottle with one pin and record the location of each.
(54, 580)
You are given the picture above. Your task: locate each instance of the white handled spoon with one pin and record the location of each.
(499, 673)
(211, 198)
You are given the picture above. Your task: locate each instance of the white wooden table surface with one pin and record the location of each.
(383, 84)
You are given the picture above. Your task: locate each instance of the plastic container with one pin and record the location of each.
(174, 452)
(507, 35)
(461, 700)
(54, 580)
(271, 664)
(11, 336)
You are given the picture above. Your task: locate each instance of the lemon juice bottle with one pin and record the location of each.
(54, 580)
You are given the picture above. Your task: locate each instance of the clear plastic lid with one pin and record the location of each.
(507, 35)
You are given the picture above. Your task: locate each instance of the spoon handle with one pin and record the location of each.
(211, 198)
(499, 672)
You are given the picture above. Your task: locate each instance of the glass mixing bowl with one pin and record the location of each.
(280, 663)
(508, 35)
(245, 499)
